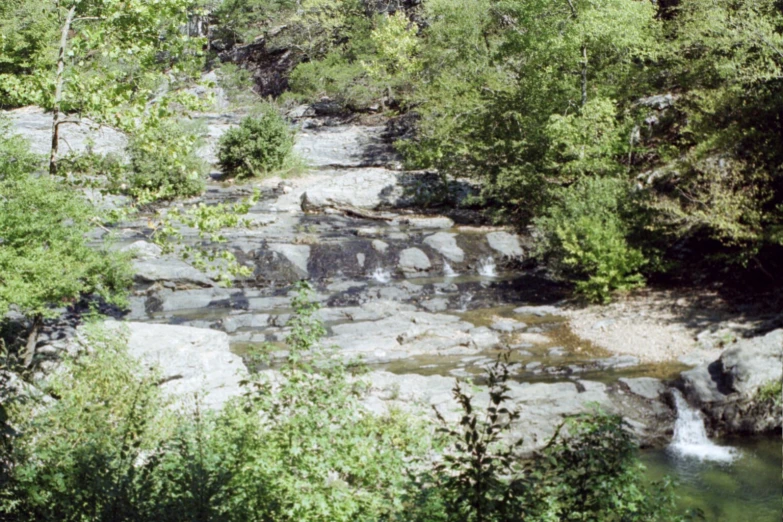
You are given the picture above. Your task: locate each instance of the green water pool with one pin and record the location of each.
(749, 489)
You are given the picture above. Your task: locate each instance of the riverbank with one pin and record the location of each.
(687, 325)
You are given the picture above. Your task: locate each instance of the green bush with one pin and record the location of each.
(589, 470)
(163, 162)
(16, 160)
(79, 457)
(45, 258)
(257, 147)
(338, 78)
(584, 237)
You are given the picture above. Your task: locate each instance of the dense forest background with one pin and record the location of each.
(640, 138)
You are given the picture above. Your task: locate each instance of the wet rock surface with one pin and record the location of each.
(420, 298)
(727, 389)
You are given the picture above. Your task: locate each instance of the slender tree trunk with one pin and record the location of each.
(32, 339)
(58, 90)
(584, 75)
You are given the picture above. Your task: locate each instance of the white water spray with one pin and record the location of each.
(690, 435)
(487, 267)
(381, 275)
(448, 271)
(464, 301)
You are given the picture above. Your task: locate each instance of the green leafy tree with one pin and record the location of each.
(584, 235)
(725, 182)
(45, 259)
(109, 57)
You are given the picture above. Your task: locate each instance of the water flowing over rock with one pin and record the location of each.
(690, 436)
(726, 389)
(421, 298)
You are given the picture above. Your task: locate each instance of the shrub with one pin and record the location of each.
(16, 160)
(163, 161)
(336, 77)
(45, 259)
(78, 457)
(584, 237)
(257, 147)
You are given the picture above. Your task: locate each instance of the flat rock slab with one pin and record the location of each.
(543, 406)
(408, 333)
(344, 146)
(173, 272)
(645, 387)
(364, 188)
(539, 311)
(194, 362)
(35, 125)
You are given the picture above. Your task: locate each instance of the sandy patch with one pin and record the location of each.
(658, 326)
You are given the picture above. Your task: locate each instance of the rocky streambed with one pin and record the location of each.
(420, 297)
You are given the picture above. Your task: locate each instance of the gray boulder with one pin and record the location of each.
(726, 390)
(446, 244)
(506, 244)
(297, 255)
(143, 250)
(169, 272)
(193, 362)
(413, 261)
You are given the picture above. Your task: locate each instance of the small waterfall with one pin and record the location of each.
(487, 267)
(690, 435)
(447, 270)
(381, 275)
(464, 300)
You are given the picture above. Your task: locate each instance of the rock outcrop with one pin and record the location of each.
(727, 390)
(192, 361)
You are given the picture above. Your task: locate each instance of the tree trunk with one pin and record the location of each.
(32, 339)
(58, 90)
(584, 75)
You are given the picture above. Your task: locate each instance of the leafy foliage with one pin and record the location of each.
(587, 471)
(586, 480)
(257, 147)
(479, 479)
(585, 236)
(298, 445)
(80, 456)
(45, 260)
(209, 221)
(163, 162)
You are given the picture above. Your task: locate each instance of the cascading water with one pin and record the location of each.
(487, 267)
(381, 275)
(690, 435)
(464, 301)
(447, 270)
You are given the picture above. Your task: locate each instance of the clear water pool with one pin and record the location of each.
(749, 489)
